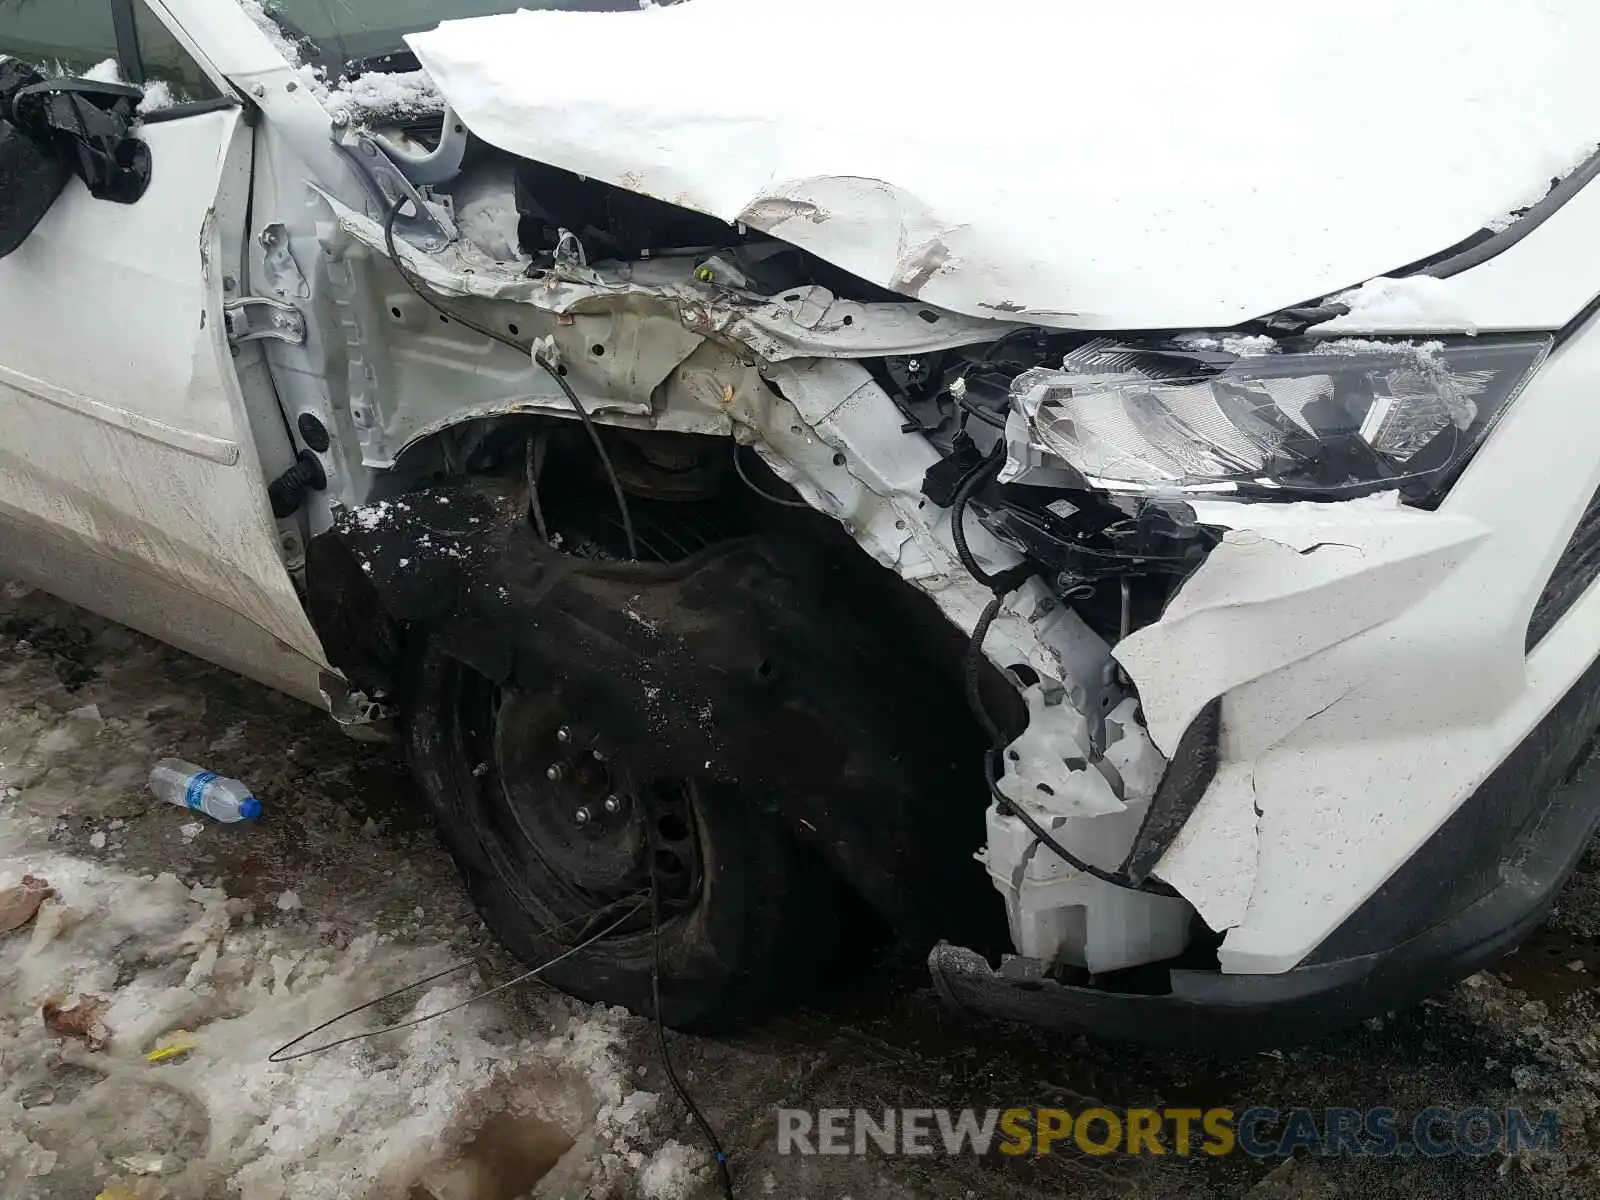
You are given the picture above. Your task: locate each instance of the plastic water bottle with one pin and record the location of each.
(187, 786)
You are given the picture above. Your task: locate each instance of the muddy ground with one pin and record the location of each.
(342, 890)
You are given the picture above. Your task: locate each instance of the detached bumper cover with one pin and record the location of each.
(1471, 894)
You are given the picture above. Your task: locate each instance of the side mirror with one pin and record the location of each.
(51, 128)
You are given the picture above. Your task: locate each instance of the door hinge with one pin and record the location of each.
(257, 318)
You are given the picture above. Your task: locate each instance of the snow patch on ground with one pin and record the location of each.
(364, 1120)
(669, 1175)
(1412, 303)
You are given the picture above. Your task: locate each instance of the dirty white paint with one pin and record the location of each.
(1295, 579)
(1541, 282)
(1365, 697)
(1346, 143)
(681, 354)
(818, 420)
(1302, 578)
(1368, 657)
(127, 439)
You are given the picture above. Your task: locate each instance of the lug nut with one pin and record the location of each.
(554, 772)
(613, 804)
(581, 816)
(563, 734)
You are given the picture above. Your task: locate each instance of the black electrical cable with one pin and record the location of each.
(521, 348)
(738, 467)
(718, 1153)
(280, 1056)
(970, 483)
(1003, 583)
(974, 667)
(991, 419)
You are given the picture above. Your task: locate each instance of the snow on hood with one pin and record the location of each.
(1144, 164)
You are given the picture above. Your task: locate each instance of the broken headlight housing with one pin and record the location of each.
(1321, 420)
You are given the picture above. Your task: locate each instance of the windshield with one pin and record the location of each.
(333, 33)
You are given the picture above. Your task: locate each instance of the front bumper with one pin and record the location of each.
(1470, 894)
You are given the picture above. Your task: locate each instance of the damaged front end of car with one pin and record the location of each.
(1151, 631)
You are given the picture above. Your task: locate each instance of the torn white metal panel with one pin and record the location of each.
(954, 202)
(834, 433)
(805, 322)
(1085, 770)
(1213, 860)
(1268, 599)
(1360, 750)
(678, 355)
(811, 322)
(860, 452)
(1311, 576)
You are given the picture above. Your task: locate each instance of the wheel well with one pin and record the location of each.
(371, 586)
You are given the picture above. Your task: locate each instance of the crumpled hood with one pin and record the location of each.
(1143, 164)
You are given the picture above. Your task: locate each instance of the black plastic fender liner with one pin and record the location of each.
(393, 562)
(746, 663)
(1182, 786)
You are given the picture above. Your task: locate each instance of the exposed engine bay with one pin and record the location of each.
(724, 369)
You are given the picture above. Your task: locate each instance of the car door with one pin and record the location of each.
(130, 478)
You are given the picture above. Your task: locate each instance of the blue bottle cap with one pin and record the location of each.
(249, 808)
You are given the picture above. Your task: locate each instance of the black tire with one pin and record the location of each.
(726, 951)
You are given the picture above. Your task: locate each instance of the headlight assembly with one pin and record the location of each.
(1325, 420)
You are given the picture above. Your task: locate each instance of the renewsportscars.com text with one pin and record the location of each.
(1259, 1132)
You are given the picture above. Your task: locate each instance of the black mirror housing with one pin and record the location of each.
(51, 129)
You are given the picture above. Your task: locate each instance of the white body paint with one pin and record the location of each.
(1369, 656)
(1196, 165)
(1365, 697)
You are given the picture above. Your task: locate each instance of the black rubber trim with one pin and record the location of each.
(126, 26)
(1574, 572)
(1188, 775)
(190, 108)
(1354, 974)
(1480, 252)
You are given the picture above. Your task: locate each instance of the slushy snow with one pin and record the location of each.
(359, 1122)
(391, 94)
(1350, 140)
(157, 92)
(1413, 303)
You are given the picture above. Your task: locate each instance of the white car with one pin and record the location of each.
(789, 470)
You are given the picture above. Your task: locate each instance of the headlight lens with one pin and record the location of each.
(1328, 420)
